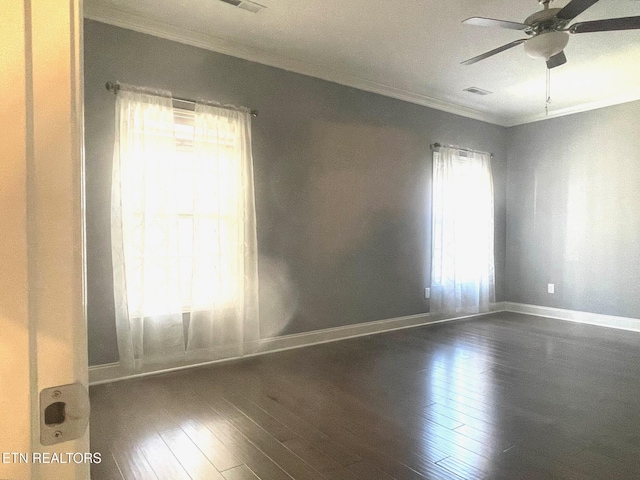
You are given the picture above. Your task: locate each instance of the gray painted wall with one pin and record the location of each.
(573, 199)
(341, 177)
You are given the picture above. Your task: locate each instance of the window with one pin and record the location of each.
(183, 228)
(462, 268)
(213, 225)
(204, 235)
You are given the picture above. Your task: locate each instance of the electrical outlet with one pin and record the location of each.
(427, 293)
(551, 288)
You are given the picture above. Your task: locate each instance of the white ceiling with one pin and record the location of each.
(408, 49)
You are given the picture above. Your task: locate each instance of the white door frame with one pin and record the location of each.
(43, 339)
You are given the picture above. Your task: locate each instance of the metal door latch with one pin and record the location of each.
(64, 413)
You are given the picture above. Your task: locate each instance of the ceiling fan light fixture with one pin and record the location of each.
(546, 45)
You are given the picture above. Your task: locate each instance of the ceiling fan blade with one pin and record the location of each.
(624, 23)
(491, 22)
(493, 52)
(574, 8)
(557, 60)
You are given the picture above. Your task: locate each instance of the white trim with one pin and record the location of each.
(610, 321)
(112, 372)
(585, 107)
(119, 18)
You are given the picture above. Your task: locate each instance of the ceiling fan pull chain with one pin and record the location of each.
(548, 101)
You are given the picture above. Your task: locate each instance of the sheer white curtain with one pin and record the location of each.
(183, 232)
(144, 226)
(462, 264)
(224, 289)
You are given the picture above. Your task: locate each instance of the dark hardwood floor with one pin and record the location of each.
(505, 396)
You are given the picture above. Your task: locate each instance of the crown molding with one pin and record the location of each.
(142, 24)
(138, 23)
(585, 107)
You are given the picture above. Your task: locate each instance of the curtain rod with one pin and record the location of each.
(114, 87)
(435, 146)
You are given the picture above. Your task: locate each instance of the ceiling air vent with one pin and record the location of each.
(252, 7)
(477, 91)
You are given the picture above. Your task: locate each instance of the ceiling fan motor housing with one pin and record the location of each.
(546, 44)
(548, 30)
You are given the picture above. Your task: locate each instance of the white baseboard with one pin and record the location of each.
(610, 321)
(112, 372)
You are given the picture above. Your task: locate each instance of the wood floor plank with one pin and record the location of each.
(132, 462)
(202, 415)
(241, 472)
(461, 469)
(503, 397)
(314, 457)
(244, 449)
(592, 463)
(211, 446)
(107, 468)
(366, 471)
(339, 474)
(195, 463)
(260, 417)
(373, 458)
(165, 465)
(286, 459)
(305, 430)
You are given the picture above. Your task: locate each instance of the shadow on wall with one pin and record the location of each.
(356, 235)
(573, 212)
(601, 217)
(278, 297)
(347, 192)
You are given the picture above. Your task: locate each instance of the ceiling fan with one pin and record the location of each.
(547, 30)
